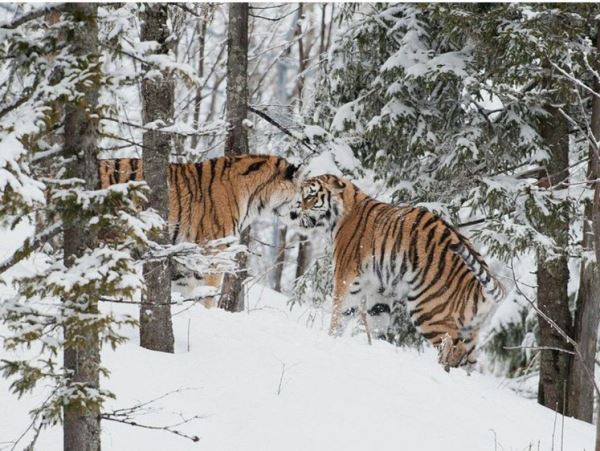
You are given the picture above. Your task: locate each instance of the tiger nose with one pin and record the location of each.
(293, 215)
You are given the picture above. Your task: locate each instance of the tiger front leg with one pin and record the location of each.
(344, 292)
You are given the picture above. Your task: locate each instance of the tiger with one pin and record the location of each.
(386, 256)
(215, 198)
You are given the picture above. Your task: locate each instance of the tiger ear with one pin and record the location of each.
(338, 184)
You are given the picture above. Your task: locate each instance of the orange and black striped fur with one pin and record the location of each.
(386, 255)
(215, 198)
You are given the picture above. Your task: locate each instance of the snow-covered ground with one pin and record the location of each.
(271, 379)
(262, 380)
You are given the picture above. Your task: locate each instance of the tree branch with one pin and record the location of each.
(30, 246)
(35, 14)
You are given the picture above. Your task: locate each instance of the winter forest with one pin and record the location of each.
(177, 273)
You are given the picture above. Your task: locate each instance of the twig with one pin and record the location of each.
(193, 438)
(561, 332)
(272, 121)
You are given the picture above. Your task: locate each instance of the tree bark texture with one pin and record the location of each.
(280, 259)
(156, 327)
(236, 104)
(303, 256)
(553, 275)
(587, 314)
(81, 427)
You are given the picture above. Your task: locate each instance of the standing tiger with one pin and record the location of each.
(215, 198)
(385, 255)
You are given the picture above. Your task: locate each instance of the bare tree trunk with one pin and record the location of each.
(596, 202)
(553, 275)
(587, 314)
(237, 79)
(280, 259)
(81, 427)
(156, 327)
(232, 295)
(303, 256)
(198, 101)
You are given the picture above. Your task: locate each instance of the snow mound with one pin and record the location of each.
(262, 380)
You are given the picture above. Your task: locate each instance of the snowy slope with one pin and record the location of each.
(334, 394)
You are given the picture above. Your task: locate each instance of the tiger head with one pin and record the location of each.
(322, 201)
(271, 182)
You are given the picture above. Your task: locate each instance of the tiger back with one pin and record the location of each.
(215, 198)
(386, 255)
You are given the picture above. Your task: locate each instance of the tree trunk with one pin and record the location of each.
(81, 427)
(201, 27)
(156, 327)
(596, 202)
(232, 295)
(236, 103)
(587, 314)
(553, 274)
(280, 259)
(303, 256)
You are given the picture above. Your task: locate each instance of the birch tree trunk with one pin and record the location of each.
(553, 274)
(156, 328)
(236, 104)
(81, 426)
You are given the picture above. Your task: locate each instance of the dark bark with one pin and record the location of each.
(156, 328)
(232, 292)
(81, 427)
(237, 79)
(587, 314)
(553, 275)
(236, 104)
(280, 259)
(303, 256)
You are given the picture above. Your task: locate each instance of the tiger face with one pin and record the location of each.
(320, 202)
(272, 182)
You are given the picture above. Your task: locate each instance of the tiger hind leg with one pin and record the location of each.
(452, 352)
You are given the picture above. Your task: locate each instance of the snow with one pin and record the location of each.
(262, 380)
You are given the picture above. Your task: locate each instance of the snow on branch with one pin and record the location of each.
(35, 14)
(31, 245)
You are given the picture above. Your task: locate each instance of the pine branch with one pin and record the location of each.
(30, 246)
(35, 14)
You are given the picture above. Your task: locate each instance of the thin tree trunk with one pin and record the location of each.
(156, 327)
(236, 104)
(198, 101)
(237, 79)
(553, 275)
(81, 427)
(303, 256)
(280, 259)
